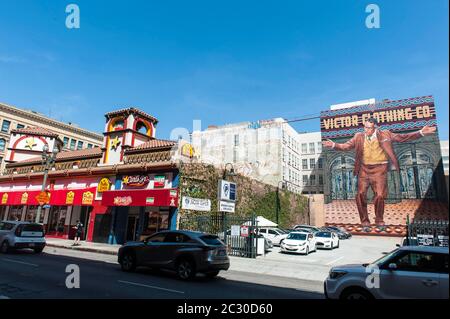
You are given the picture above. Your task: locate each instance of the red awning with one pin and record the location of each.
(150, 197)
(75, 197)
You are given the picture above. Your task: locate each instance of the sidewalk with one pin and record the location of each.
(84, 246)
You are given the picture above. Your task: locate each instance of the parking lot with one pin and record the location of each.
(316, 265)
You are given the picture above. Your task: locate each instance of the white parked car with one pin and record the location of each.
(327, 239)
(276, 235)
(417, 272)
(299, 242)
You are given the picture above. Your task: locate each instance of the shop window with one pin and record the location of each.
(57, 219)
(31, 213)
(15, 213)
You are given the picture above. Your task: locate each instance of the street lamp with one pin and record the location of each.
(231, 173)
(48, 160)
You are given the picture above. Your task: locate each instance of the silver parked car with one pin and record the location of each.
(417, 272)
(18, 235)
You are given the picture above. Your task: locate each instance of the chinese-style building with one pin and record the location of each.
(126, 189)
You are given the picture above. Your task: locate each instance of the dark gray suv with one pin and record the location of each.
(186, 252)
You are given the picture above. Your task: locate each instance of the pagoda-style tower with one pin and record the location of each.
(124, 129)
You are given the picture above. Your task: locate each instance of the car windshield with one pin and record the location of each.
(386, 257)
(296, 236)
(33, 228)
(211, 240)
(323, 234)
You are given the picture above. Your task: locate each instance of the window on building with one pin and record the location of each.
(320, 163)
(304, 148)
(312, 180)
(66, 142)
(5, 126)
(320, 180)
(235, 156)
(312, 163)
(72, 144)
(236, 140)
(304, 164)
(2, 144)
(89, 145)
(305, 180)
(312, 148)
(80, 145)
(319, 147)
(19, 126)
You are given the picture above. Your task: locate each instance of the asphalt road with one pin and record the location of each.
(26, 275)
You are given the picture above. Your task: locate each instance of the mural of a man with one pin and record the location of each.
(373, 152)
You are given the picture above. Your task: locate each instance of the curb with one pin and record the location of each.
(87, 249)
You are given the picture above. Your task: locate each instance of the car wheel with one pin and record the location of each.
(212, 274)
(307, 251)
(4, 248)
(38, 250)
(128, 262)
(337, 245)
(185, 269)
(356, 294)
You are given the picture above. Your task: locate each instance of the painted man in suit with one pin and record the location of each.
(373, 152)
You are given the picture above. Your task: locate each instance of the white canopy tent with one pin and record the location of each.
(262, 222)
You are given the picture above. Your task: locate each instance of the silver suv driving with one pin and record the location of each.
(18, 235)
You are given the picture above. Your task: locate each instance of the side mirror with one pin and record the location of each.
(392, 266)
(398, 245)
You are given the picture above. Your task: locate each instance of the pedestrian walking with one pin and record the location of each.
(78, 232)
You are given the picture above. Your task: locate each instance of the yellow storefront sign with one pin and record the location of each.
(88, 198)
(104, 185)
(70, 197)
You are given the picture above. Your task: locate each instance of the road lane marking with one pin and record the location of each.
(333, 261)
(20, 262)
(147, 286)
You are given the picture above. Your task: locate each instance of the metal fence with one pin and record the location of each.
(428, 233)
(237, 232)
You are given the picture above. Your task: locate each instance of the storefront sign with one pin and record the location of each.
(24, 198)
(147, 197)
(88, 198)
(104, 185)
(70, 198)
(43, 198)
(188, 150)
(123, 201)
(135, 180)
(227, 207)
(227, 191)
(5, 198)
(159, 181)
(198, 204)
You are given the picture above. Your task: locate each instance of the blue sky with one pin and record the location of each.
(219, 61)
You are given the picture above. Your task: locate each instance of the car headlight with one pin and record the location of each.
(335, 274)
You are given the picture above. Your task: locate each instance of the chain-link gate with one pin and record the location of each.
(428, 233)
(237, 232)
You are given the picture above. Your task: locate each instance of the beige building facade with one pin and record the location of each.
(13, 118)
